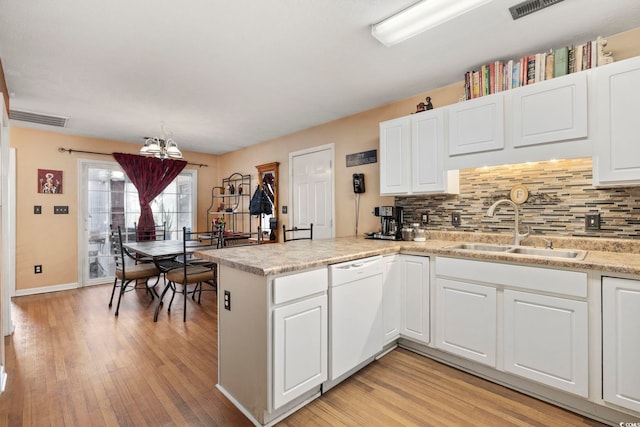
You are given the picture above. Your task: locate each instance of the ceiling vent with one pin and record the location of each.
(530, 6)
(42, 119)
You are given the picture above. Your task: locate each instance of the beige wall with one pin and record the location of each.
(52, 240)
(350, 134)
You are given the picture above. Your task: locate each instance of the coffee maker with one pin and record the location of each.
(391, 219)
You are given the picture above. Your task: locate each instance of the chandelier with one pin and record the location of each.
(160, 147)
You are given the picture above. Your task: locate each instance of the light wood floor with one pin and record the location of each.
(72, 363)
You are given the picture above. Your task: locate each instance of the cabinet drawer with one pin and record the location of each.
(565, 282)
(299, 285)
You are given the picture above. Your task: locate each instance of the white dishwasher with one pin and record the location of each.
(355, 313)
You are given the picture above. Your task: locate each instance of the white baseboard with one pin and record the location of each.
(45, 289)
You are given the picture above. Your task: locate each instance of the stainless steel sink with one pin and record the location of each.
(481, 247)
(551, 253)
(576, 254)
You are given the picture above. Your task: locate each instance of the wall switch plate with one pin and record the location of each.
(425, 218)
(37, 209)
(455, 219)
(592, 221)
(284, 210)
(227, 300)
(37, 269)
(61, 209)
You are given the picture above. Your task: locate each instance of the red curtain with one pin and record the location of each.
(150, 176)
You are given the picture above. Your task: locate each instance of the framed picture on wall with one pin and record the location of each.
(49, 181)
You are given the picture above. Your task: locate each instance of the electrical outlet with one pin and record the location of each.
(455, 219)
(592, 221)
(37, 269)
(61, 209)
(37, 209)
(425, 218)
(227, 300)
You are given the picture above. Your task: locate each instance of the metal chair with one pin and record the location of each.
(132, 273)
(191, 272)
(293, 231)
(155, 232)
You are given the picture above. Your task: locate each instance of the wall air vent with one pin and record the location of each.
(530, 6)
(42, 119)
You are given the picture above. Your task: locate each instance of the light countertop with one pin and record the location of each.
(610, 256)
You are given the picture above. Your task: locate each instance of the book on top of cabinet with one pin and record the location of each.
(501, 75)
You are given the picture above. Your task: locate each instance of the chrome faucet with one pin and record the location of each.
(517, 237)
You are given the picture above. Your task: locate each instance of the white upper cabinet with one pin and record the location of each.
(428, 174)
(476, 125)
(616, 158)
(395, 155)
(412, 156)
(550, 111)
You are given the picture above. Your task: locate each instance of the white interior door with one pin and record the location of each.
(311, 193)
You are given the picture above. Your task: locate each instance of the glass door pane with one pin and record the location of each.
(108, 198)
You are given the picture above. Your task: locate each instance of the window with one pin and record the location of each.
(111, 199)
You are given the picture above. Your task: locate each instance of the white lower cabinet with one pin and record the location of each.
(621, 342)
(484, 307)
(466, 320)
(300, 335)
(299, 348)
(392, 279)
(545, 339)
(415, 298)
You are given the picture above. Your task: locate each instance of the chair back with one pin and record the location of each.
(155, 232)
(292, 234)
(117, 249)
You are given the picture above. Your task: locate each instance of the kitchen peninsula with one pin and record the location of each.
(273, 318)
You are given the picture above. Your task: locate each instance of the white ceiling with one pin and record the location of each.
(226, 74)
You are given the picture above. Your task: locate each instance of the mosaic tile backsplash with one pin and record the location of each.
(560, 195)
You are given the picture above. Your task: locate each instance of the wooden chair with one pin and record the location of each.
(129, 273)
(293, 232)
(192, 272)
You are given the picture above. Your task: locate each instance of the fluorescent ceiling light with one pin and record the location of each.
(421, 17)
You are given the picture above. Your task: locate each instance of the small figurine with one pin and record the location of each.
(429, 104)
(603, 57)
(424, 106)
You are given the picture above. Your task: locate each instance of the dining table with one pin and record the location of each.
(163, 249)
(165, 255)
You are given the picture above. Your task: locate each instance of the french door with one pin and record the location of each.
(108, 198)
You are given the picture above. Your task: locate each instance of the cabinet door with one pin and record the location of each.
(395, 152)
(392, 279)
(415, 298)
(545, 339)
(427, 152)
(299, 348)
(476, 125)
(617, 151)
(621, 342)
(554, 110)
(466, 320)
